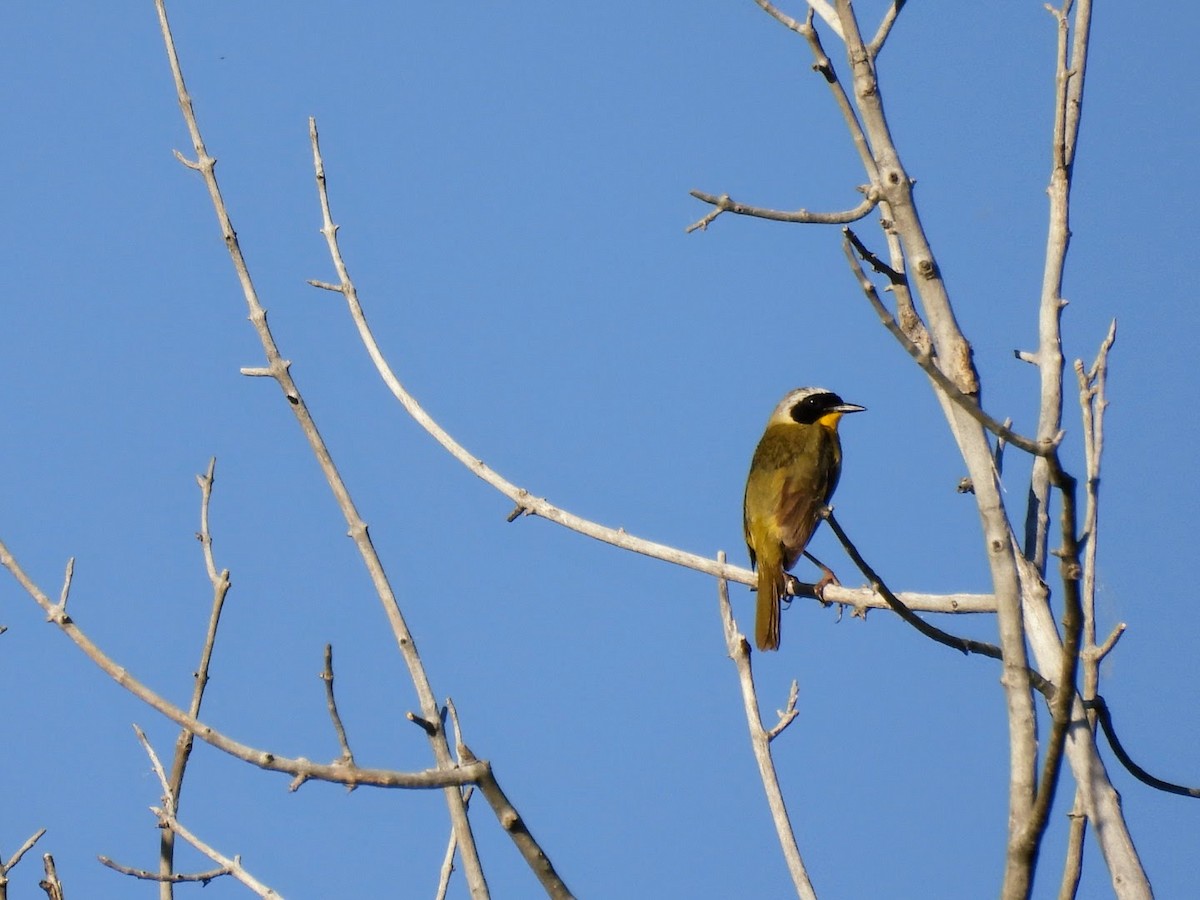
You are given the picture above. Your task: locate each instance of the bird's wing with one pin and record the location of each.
(803, 493)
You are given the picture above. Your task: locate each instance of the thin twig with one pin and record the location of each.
(528, 504)
(723, 204)
(173, 878)
(156, 764)
(788, 714)
(963, 645)
(927, 364)
(885, 28)
(347, 757)
(447, 868)
(1111, 641)
(910, 321)
(22, 850)
(357, 527)
(166, 816)
(234, 864)
(968, 646)
(1092, 402)
(461, 752)
(1106, 724)
(220, 583)
(1049, 355)
(68, 577)
(779, 16)
(467, 773)
(6, 867)
(760, 740)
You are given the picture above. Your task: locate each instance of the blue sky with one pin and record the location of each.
(512, 188)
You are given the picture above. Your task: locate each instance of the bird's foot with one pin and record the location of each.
(827, 578)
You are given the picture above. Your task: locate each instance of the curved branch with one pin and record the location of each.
(963, 645)
(530, 504)
(1105, 719)
(723, 203)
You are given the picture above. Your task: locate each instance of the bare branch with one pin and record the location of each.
(234, 865)
(723, 203)
(220, 584)
(1110, 732)
(828, 15)
(511, 821)
(775, 13)
(927, 364)
(157, 766)
(529, 504)
(167, 820)
(1104, 649)
(788, 714)
(173, 878)
(1092, 402)
(1073, 857)
(347, 757)
(760, 740)
(6, 867)
(885, 28)
(453, 776)
(68, 576)
(357, 527)
(447, 868)
(963, 645)
(50, 884)
(1030, 838)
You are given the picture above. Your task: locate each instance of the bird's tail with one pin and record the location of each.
(772, 586)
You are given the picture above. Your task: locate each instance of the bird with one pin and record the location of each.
(793, 473)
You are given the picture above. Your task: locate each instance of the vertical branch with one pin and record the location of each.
(278, 369)
(760, 741)
(183, 744)
(1093, 402)
(1061, 704)
(50, 884)
(1070, 59)
(954, 359)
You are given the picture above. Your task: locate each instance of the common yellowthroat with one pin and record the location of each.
(792, 476)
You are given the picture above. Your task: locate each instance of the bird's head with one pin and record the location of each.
(811, 406)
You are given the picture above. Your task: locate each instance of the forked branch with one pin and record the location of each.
(279, 369)
(760, 740)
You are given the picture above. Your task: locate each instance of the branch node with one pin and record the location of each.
(195, 165)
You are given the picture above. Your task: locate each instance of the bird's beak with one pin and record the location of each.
(848, 408)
